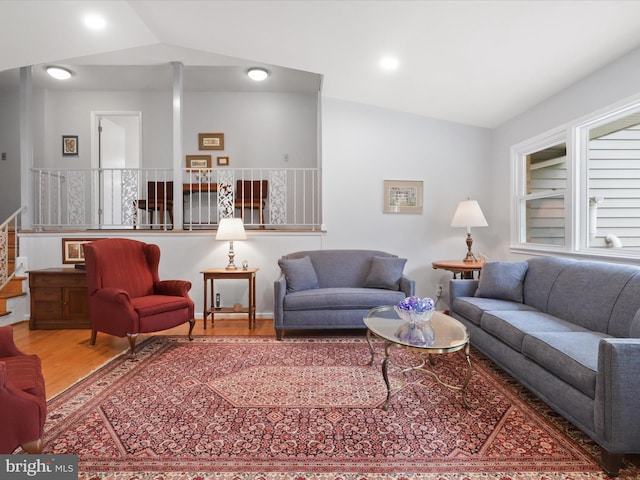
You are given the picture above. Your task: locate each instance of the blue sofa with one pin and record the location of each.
(334, 289)
(569, 331)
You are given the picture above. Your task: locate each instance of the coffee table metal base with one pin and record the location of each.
(421, 367)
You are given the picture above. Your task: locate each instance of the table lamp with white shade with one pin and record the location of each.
(231, 229)
(468, 214)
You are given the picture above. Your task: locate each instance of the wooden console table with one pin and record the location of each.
(59, 299)
(465, 269)
(213, 274)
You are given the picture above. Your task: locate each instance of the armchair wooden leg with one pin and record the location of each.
(132, 342)
(34, 447)
(192, 324)
(94, 334)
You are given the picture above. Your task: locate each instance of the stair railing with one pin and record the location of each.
(6, 255)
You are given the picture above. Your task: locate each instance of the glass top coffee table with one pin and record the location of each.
(449, 336)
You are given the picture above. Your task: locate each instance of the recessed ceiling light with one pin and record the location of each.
(389, 63)
(59, 73)
(258, 74)
(95, 22)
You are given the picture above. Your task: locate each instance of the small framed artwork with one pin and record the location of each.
(73, 251)
(222, 161)
(198, 162)
(211, 141)
(69, 145)
(402, 196)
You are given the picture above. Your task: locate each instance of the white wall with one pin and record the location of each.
(69, 113)
(363, 146)
(259, 128)
(9, 144)
(185, 255)
(611, 84)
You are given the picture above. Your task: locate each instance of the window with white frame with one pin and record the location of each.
(577, 189)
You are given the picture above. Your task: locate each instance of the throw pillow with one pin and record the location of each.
(385, 272)
(299, 273)
(502, 280)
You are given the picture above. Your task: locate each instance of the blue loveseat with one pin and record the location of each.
(569, 331)
(334, 289)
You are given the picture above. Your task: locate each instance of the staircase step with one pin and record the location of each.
(14, 287)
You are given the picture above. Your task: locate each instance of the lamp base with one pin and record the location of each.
(232, 256)
(470, 256)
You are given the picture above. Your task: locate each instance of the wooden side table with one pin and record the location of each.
(465, 269)
(213, 274)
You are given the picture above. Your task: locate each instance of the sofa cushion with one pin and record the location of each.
(502, 280)
(571, 356)
(512, 326)
(625, 317)
(473, 307)
(593, 288)
(341, 298)
(340, 268)
(634, 329)
(541, 275)
(385, 272)
(299, 273)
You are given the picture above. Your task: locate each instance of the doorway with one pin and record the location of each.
(116, 157)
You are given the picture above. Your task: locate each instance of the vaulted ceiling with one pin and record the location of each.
(473, 62)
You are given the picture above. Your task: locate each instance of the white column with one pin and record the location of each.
(178, 158)
(26, 147)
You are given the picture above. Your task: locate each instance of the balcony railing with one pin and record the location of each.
(147, 198)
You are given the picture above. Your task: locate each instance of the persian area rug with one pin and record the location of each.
(303, 408)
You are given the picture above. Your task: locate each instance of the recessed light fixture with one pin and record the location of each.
(258, 74)
(389, 63)
(59, 73)
(95, 22)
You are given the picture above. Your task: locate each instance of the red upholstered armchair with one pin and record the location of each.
(23, 403)
(126, 296)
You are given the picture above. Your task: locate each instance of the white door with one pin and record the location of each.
(118, 152)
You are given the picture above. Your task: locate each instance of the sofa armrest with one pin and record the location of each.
(461, 288)
(618, 393)
(408, 286)
(279, 291)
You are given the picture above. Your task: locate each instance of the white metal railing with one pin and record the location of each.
(266, 198)
(10, 224)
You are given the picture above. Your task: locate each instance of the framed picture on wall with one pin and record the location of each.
(73, 251)
(211, 141)
(402, 196)
(222, 161)
(198, 162)
(69, 145)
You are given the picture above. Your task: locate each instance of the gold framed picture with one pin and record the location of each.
(403, 196)
(211, 141)
(73, 249)
(222, 161)
(198, 162)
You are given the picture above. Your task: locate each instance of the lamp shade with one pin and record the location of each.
(469, 214)
(231, 229)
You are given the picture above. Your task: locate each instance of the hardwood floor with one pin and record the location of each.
(67, 357)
